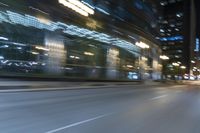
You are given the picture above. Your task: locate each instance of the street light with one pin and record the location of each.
(179, 62)
(175, 64)
(164, 57)
(142, 45)
(194, 67)
(183, 67)
(77, 6)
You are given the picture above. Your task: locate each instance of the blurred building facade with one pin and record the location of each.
(90, 39)
(197, 46)
(178, 36)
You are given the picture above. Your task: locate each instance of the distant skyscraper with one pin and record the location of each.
(178, 33)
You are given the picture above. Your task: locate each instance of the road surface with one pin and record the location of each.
(116, 109)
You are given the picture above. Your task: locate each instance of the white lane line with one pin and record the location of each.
(158, 97)
(51, 89)
(77, 123)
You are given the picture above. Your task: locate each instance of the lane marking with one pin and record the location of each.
(56, 88)
(49, 89)
(77, 123)
(158, 97)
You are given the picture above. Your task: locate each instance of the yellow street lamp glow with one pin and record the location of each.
(35, 53)
(183, 67)
(164, 57)
(42, 48)
(129, 66)
(89, 53)
(142, 45)
(194, 67)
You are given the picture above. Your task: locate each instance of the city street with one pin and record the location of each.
(99, 66)
(116, 109)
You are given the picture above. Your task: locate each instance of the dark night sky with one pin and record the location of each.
(198, 16)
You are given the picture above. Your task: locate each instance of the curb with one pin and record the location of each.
(98, 85)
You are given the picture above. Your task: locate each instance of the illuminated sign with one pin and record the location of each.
(173, 38)
(197, 45)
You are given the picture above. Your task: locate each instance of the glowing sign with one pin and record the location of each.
(197, 45)
(173, 38)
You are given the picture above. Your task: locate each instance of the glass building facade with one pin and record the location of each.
(45, 38)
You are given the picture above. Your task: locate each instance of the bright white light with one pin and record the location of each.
(77, 6)
(186, 77)
(35, 53)
(16, 64)
(77, 57)
(177, 29)
(194, 67)
(175, 64)
(1, 57)
(9, 64)
(4, 62)
(192, 77)
(129, 66)
(193, 61)
(19, 48)
(179, 15)
(161, 30)
(74, 57)
(19, 44)
(82, 6)
(34, 63)
(183, 67)
(89, 53)
(71, 56)
(43, 64)
(164, 57)
(88, 4)
(103, 11)
(4, 46)
(144, 58)
(142, 45)
(3, 38)
(176, 56)
(43, 20)
(42, 48)
(73, 7)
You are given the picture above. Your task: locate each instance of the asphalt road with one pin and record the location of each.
(118, 109)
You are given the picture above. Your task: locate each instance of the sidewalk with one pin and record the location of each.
(60, 85)
(4, 83)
